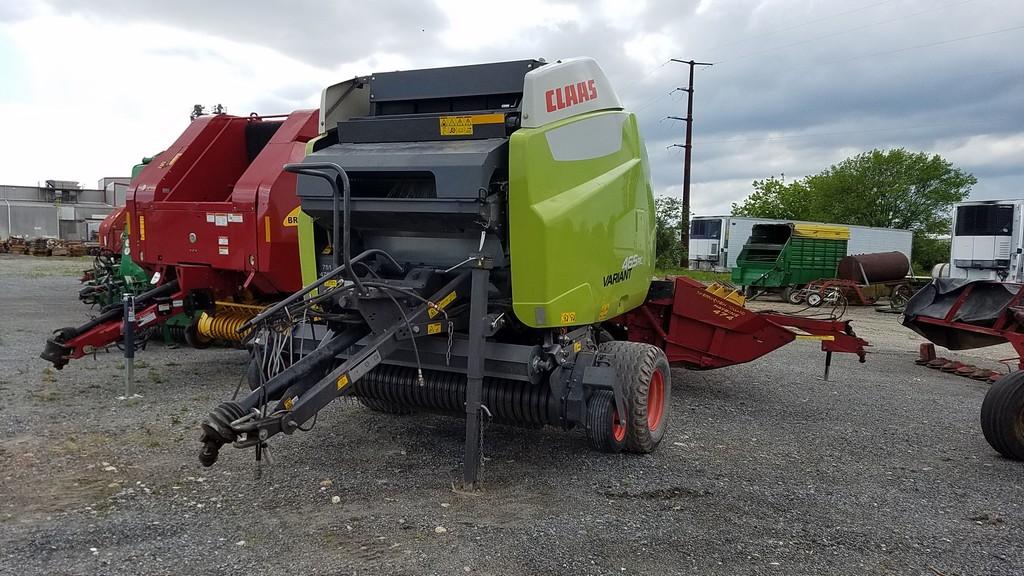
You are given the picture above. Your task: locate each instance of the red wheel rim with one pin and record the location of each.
(618, 430)
(655, 400)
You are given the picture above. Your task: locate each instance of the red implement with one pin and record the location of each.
(111, 229)
(215, 216)
(700, 328)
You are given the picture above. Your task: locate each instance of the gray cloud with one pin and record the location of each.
(15, 11)
(322, 33)
(797, 85)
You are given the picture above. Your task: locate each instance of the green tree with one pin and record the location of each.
(888, 188)
(668, 215)
(773, 198)
(929, 251)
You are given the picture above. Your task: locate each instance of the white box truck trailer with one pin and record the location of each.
(987, 241)
(716, 241)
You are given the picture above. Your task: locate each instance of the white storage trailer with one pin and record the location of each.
(987, 241)
(716, 241)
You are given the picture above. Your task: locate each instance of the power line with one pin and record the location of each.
(657, 98)
(843, 133)
(939, 43)
(801, 25)
(842, 32)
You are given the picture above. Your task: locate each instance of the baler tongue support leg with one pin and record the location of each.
(307, 386)
(475, 373)
(105, 329)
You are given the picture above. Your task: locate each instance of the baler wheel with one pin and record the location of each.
(644, 372)
(603, 428)
(1002, 415)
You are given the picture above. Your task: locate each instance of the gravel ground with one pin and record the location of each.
(765, 470)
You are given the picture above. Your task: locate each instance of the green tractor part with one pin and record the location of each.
(787, 256)
(114, 273)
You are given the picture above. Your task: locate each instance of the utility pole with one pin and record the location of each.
(684, 225)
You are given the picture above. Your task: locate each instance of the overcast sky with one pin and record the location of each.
(87, 87)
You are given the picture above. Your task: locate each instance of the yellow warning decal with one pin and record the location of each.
(342, 381)
(568, 317)
(142, 227)
(331, 283)
(292, 219)
(434, 328)
(815, 337)
(604, 312)
(577, 346)
(456, 126)
(442, 304)
(463, 125)
(266, 227)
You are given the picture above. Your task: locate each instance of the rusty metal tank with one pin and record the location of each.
(874, 268)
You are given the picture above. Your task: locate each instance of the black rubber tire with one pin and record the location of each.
(792, 295)
(1002, 415)
(814, 299)
(635, 365)
(192, 337)
(384, 406)
(600, 423)
(900, 296)
(749, 292)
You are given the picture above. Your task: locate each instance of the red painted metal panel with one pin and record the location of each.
(206, 216)
(201, 202)
(700, 330)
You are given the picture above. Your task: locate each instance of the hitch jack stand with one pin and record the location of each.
(475, 370)
(129, 345)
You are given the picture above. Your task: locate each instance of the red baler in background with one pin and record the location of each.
(208, 218)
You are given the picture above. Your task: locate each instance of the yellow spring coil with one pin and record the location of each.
(223, 325)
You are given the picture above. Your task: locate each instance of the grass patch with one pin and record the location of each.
(62, 267)
(701, 275)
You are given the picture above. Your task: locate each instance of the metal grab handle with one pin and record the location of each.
(320, 170)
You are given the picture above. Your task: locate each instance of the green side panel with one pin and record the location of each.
(581, 225)
(812, 259)
(764, 274)
(130, 272)
(128, 269)
(138, 167)
(307, 238)
(800, 261)
(307, 250)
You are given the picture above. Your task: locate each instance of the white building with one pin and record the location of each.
(59, 209)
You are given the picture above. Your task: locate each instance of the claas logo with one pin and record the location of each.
(570, 95)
